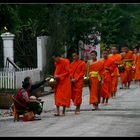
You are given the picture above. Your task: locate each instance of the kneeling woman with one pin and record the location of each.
(24, 102)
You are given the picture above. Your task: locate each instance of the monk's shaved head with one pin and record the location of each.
(56, 56)
(93, 55)
(126, 48)
(105, 54)
(114, 50)
(122, 49)
(75, 55)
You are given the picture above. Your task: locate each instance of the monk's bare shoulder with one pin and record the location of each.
(110, 55)
(66, 60)
(89, 62)
(101, 59)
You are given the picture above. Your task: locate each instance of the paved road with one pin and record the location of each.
(120, 118)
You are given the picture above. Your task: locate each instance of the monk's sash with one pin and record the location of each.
(116, 72)
(76, 68)
(128, 64)
(95, 74)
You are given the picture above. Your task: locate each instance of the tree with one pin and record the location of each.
(67, 24)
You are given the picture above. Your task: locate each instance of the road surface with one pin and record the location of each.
(118, 119)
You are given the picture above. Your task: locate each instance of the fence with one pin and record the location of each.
(10, 79)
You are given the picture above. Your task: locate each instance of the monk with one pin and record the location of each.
(106, 75)
(95, 68)
(77, 72)
(123, 73)
(115, 73)
(63, 86)
(108, 49)
(128, 59)
(137, 65)
(135, 51)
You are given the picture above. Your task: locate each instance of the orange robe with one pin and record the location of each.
(123, 75)
(134, 56)
(134, 65)
(63, 86)
(106, 74)
(115, 73)
(95, 81)
(129, 70)
(77, 71)
(137, 63)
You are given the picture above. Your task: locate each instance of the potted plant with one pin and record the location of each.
(6, 97)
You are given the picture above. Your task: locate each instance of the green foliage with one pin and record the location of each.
(8, 18)
(25, 47)
(67, 24)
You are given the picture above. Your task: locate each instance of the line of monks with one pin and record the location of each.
(102, 75)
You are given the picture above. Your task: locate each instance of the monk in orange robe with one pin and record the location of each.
(63, 86)
(128, 59)
(123, 73)
(135, 51)
(115, 73)
(108, 49)
(94, 72)
(106, 75)
(137, 65)
(77, 72)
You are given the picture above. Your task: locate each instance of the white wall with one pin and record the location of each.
(41, 52)
(8, 47)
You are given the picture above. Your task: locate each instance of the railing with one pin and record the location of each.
(13, 79)
(7, 79)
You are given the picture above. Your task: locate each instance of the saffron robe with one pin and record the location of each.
(137, 64)
(134, 65)
(77, 71)
(115, 73)
(128, 66)
(63, 86)
(106, 75)
(95, 69)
